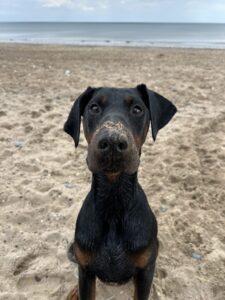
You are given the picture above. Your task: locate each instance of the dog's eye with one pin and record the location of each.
(95, 109)
(136, 110)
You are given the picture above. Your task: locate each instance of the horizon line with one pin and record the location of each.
(115, 22)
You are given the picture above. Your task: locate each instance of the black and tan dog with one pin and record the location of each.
(116, 231)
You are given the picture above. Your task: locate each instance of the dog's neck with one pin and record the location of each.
(114, 197)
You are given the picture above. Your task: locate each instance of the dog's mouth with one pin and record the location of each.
(113, 165)
(112, 162)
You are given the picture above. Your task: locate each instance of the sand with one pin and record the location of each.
(44, 179)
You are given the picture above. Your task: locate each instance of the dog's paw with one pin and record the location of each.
(74, 294)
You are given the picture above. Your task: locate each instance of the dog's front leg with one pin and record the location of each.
(143, 281)
(86, 284)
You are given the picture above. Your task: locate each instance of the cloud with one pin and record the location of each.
(114, 10)
(86, 5)
(90, 5)
(102, 4)
(56, 3)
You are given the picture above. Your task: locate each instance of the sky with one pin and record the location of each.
(205, 11)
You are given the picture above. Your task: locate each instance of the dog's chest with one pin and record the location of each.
(111, 262)
(112, 232)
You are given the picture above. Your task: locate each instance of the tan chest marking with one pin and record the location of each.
(83, 257)
(141, 258)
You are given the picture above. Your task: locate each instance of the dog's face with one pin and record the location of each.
(116, 123)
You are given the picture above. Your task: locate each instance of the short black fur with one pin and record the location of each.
(116, 230)
(115, 222)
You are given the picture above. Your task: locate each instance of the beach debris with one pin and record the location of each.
(163, 208)
(197, 256)
(19, 144)
(67, 73)
(69, 185)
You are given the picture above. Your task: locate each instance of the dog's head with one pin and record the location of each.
(116, 122)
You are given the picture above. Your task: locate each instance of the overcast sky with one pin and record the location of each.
(113, 10)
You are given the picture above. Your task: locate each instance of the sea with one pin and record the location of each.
(182, 35)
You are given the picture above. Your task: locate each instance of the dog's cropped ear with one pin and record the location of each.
(161, 110)
(72, 125)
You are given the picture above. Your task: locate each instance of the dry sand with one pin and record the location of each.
(44, 180)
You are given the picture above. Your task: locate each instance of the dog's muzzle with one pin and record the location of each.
(112, 149)
(112, 143)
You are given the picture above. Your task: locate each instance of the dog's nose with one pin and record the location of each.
(113, 142)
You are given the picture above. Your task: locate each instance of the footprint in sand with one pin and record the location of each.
(8, 126)
(23, 264)
(10, 296)
(34, 282)
(27, 167)
(5, 154)
(46, 129)
(48, 108)
(54, 116)
(180, 225)
(161, 273)
(43, 186)
(194, 238)
(39, 284)
(28, 129)
(159, 283)
(3, 113)
(35, 114)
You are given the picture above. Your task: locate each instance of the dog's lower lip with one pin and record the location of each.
(112, 168)
(111, 171)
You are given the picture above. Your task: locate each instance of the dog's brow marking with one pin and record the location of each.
(128, 99)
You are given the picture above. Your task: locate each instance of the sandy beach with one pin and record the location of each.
(44, 179)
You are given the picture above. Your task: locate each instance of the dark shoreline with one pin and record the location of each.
(137, 35)
(109, 44)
